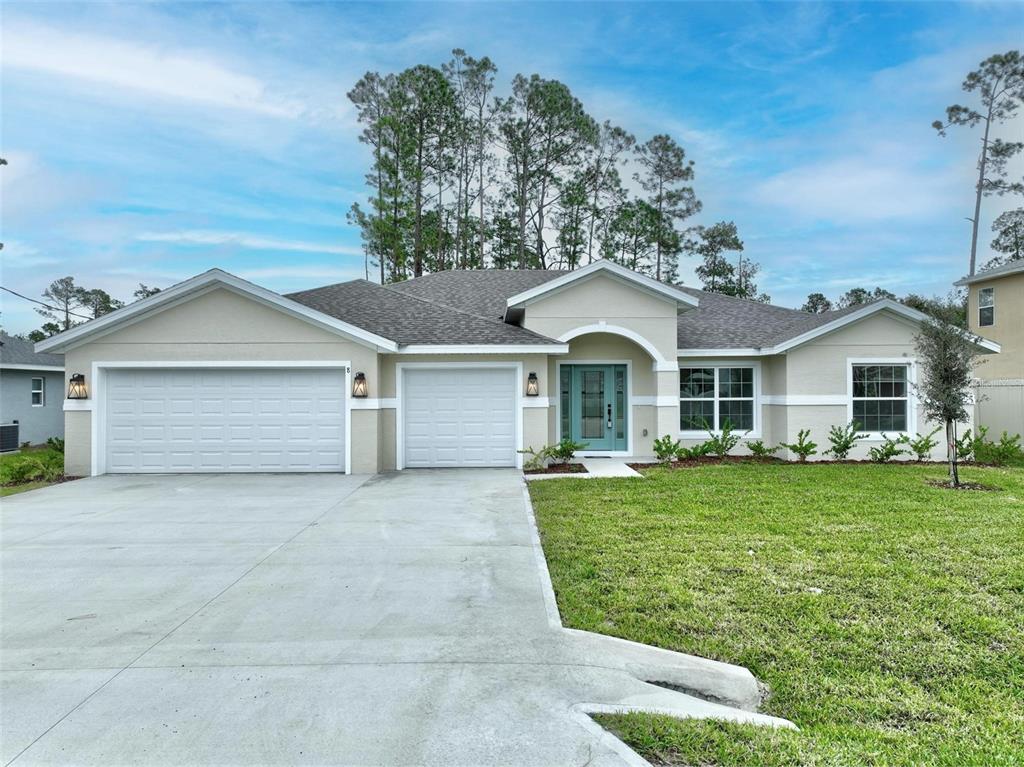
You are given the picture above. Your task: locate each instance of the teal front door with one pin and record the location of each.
(594, 405)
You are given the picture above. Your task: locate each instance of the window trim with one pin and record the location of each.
(717, 364)
(41, 391)
(992, 291)
(911, 364)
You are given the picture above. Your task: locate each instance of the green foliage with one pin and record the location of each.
(720, 444)
(923, 444)
(968, 444)
(666, 448)
(1006, 451)
(883, 613)
(565, 451)
(31, 465)
(889, 449)
(843, 439)
(55, 443)
(803, 447)
(759, 449)
(695, 452)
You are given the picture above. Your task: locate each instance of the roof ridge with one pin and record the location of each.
(462, 311)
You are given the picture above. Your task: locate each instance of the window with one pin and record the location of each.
(710, 396)
(881, 397)
(38, 392)
(986, 307)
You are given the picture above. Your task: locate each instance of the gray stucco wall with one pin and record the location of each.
(37, 424)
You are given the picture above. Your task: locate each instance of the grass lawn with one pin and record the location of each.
(29, 469)
(912, 652)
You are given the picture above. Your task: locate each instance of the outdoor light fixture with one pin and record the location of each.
(76, 387)
(359, 388)
(532, 385)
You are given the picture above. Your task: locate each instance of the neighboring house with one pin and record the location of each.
(31, 393)
(464, 368)
(995, 309)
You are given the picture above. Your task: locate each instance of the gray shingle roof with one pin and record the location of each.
(16, 351)
(483, 292)
(409, 319)
(467, 307)
(1010, 267)
(725, 322)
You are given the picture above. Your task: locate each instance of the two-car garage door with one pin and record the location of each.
(224, 420)
(459, 416)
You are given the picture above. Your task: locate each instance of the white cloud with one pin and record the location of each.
(159, 71)
(245, 240)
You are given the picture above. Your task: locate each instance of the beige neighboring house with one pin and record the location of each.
(465, 368)
(995, 310)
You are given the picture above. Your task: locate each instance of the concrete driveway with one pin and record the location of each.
(308, 619)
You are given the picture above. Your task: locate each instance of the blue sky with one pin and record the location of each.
(150, 142)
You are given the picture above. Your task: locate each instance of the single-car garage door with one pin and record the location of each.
(459, 417)
(225, 420)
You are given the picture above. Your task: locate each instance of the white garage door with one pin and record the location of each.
(460, 417)
(212, 420)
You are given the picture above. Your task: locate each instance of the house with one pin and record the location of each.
(995, 309)
(31, 394)
(464, 368)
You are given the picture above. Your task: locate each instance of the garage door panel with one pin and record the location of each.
(459, 417)
(230, 420)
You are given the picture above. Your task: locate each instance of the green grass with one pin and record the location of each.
(29, 469)
(913, 652)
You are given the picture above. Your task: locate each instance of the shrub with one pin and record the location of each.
(803, 447)
(758, 449)
(889, 449)
(1006, 450)
(967, 443)
(923, 444)
(692, 453)
(55, 443)
(565, 450)
(538, 459)
(666, 448)
(843, 439)
(720, 444)
(32, 468)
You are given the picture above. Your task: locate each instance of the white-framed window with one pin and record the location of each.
(38, 392)
(880, 396)
(986, 307)
(711, 394)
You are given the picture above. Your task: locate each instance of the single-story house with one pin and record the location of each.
(995, 310)
(31, 394)
(465, 368)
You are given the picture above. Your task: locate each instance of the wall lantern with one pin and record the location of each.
(76, 387)
(532, 385)
(359, 387)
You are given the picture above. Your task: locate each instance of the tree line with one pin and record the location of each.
(462, 178)
(66, 304)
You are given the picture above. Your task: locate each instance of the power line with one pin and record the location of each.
(51, 308)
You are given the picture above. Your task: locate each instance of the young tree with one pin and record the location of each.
(64, 296)
(665, 173)
(951, 309)
(947, 355)
(816, 303)
(999, 81)
(1009, 229)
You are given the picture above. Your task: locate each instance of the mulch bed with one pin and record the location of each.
(560, 468)
(946, 485)
(710, 459)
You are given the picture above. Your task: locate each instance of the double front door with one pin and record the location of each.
(594, 405)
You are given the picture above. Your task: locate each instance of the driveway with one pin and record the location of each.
(307, 619)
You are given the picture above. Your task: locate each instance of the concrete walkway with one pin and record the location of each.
(315, 619)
